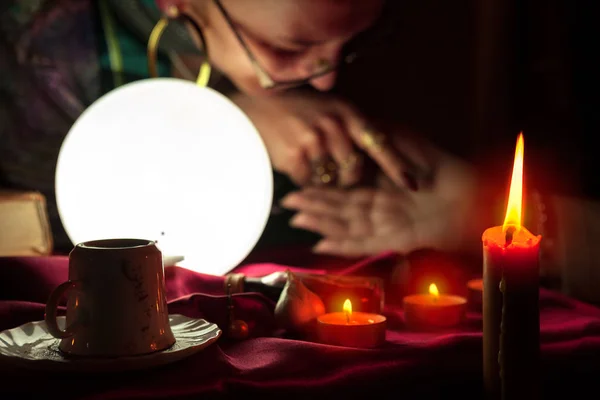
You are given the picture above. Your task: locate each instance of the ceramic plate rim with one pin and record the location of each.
(108, 365)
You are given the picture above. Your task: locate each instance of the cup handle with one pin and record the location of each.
(51, 309)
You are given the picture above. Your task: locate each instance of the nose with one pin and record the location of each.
(328, 56)
(325, 82)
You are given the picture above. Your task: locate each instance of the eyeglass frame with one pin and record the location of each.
(264, 78)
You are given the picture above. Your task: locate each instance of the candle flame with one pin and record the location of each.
(515, 197)
(348, 307)
(433, 290)
(348, 310)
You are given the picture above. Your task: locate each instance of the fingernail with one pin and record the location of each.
(410, 181)
(297, 220)
(320, 247)
(287, 201)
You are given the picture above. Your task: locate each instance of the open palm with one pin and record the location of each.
(365, 221)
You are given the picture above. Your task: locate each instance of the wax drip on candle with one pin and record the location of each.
(502, 331)
(510, 231)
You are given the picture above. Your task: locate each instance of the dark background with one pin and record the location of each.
(472, 74)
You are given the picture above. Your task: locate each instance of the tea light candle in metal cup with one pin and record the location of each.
(351, 329)
(433, 310)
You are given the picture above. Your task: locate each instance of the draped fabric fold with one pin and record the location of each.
(272, 365)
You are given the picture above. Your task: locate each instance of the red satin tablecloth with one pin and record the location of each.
(410, 366)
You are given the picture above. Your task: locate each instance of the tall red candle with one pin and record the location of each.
(511, 325)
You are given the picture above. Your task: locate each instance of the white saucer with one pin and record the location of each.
(31, 346)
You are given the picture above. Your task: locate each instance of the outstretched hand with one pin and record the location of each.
(366, 221)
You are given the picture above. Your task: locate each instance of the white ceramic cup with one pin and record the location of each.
(116, 304)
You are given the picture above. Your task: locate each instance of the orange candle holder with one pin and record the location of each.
(433, 311)
(351, 329)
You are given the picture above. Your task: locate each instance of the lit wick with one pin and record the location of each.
(433, 290)
(510, 232)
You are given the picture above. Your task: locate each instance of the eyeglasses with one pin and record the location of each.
(362, 44)
(322, 67)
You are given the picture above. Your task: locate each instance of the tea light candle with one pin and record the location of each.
(433, 310)
(351, 329)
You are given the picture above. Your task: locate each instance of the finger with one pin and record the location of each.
(384, 182)
(354, 219)
(301, 148)
(332, 194)
(417, 156)
(357, 217)
(310, 141)
(311, 204)
(341, 148)
(342, 247)
(323, 225)
(358, 196)
(335, 197)
(377, 146)
(412, 152)
(322, 168)
(387, 160)
(384, 154)
(301, 173)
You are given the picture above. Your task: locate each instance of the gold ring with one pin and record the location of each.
(324, 171)
(351, 161)
(372, 140)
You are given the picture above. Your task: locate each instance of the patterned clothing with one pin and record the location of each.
(53, 64)
(56, 58)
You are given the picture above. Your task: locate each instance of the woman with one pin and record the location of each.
(267, 47)
(57, 57)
